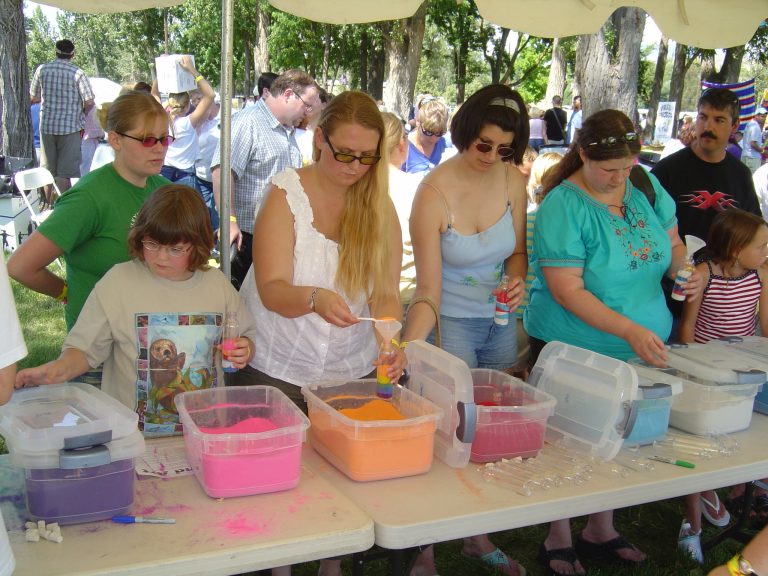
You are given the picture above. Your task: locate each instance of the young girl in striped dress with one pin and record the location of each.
(735, 288)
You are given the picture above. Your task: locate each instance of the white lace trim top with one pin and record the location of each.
(308, 349)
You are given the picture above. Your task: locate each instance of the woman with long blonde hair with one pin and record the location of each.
(326, 250)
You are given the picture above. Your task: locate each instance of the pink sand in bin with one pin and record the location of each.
(242, 471)
(507, 436)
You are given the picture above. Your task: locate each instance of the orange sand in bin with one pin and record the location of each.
(374, 410)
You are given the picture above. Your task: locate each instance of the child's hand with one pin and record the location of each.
(396, 368)
(240, 354)
(694, 286)
(31, 377)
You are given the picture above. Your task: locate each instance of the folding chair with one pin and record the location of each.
(33, 179)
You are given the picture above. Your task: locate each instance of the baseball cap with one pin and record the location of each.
(65, 47)
(761, 110)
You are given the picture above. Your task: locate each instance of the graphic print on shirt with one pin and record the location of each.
(704, 200)
(175, 354)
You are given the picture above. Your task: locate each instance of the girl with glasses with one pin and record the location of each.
(427, 143)
(156, 321)
(468, 230)
(601, 250)
(90, 222)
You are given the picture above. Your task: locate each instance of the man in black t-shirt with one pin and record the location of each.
(556, 119)
(703, 179)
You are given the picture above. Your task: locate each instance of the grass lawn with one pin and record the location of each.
(652, 527)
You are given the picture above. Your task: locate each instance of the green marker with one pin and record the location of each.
(682, 463)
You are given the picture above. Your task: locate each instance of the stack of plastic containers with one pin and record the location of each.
(600, 403)
(754, 352)
(77, 446)
(511, 417)
(242, 440)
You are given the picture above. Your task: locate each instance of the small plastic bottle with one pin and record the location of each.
(501, 315)
(678, 290)
(230, 332)
(386, 357)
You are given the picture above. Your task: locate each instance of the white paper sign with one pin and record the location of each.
(665, 122)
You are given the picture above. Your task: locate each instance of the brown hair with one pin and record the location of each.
(731, 232)
(134, 110)
(296, 80)
(498, 105)
(597, 127)
(173, 214)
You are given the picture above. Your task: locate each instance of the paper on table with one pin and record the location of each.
(164, 458)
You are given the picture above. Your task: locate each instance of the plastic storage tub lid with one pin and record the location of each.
(716, 364)
(754, 347)
(596, 397)
(446, 381)
(69, 415)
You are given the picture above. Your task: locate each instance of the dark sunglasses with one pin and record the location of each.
(613, 141)
(150, 141)
(349, 158)
(428, 133)
(503, 151)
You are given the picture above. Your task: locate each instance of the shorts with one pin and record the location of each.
(60, 154)
(480, 342)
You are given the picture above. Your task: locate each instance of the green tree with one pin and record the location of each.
(40, 40)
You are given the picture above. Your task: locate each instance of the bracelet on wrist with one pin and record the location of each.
(400, 345)
(62, 297)
(232, 218)
(198, 78)
(312, 297)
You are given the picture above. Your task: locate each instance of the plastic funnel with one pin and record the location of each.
(387, 328)
(693, 244)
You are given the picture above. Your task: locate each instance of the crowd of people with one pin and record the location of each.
(442, 213)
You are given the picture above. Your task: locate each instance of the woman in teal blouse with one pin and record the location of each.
(601, 250)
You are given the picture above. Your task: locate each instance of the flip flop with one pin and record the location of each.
(707, 505)
(495, 559)
(562, 554)
(604, 551)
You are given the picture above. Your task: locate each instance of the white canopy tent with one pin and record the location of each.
(701, 23)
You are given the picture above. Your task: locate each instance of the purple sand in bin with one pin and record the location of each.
(81, 494)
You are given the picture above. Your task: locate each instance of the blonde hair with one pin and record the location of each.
(177, 104)
(541, 165)
(134, 110)
(394, 131)
(368, 212)
(433, 116)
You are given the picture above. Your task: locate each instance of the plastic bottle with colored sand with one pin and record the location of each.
(501, 314)
(387, 328)
(692, 245)
(230, 333)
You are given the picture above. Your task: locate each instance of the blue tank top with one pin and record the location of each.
(473, 266)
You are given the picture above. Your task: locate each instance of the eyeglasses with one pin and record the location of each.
(150, 141)
(173, 251)
(306, 106)
(503, 151)
(349, 158)
(613, 141)
(428, 133)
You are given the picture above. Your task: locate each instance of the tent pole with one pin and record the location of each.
(226, 134)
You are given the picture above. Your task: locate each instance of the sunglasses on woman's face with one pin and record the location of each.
(150, 141)
(345, 158)
(428, 133)
(503, 151)
(613, 141)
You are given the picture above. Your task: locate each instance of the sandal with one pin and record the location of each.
(715, 507)
(604, 551)
(563, 555)
(496, 559)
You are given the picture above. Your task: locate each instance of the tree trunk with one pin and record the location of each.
(729, 71)
(376, 79)
(677, 81)
(249, 84)
(658, 80)
(261, 49)
(609, 73)
(403, 45)
(16, 127)
(326, 52)
(365, 44)
(556, 82)
(496, 58)
(461, 71)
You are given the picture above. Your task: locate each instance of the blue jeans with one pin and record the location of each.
(179, 176)
(206, 191)
(480, 342)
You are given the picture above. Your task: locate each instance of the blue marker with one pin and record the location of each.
(142, 520)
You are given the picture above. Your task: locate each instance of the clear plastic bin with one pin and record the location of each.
(511, 417)
(242, 440)
(372, 449)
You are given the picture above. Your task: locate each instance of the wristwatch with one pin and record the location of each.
(738, 565)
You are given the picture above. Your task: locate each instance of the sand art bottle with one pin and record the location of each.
(230, 333)
(386, 358)
(501, 315)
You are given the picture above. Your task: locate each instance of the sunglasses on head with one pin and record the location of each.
(150, 141)
(613, 141)
(503, 151)
(345, 158)
(428, 133)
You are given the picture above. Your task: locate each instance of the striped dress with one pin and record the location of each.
(728, 306)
